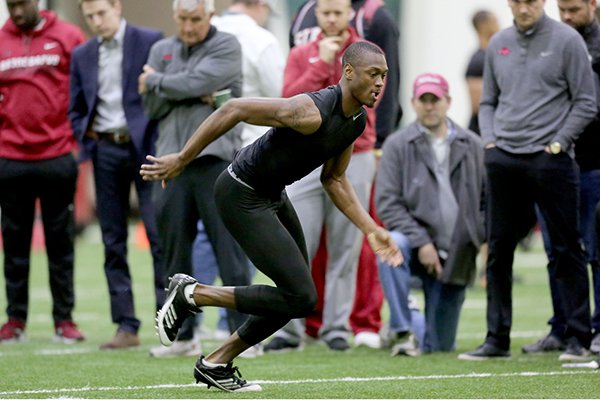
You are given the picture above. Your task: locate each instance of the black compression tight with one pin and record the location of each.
(271, 235)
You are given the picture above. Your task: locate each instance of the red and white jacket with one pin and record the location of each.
(34, 89)
(306, 72)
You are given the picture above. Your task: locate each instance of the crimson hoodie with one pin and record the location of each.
(306, 72)
(34, 89)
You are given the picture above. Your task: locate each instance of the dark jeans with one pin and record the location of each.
(516, 182)
(270, 233)
(21, 184)
(443, 304)
(186, 199)
(115, 168)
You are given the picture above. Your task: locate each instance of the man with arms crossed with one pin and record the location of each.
(182, 73)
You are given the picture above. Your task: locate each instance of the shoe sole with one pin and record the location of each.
(64, 340)
(119, 348)
(413, 353)
(372, 345)
(160, 320)
(591, 364)
(15, 340)
(249, 388)
(539, 353)
(340, 350)
(468, 357)
(371, 341)
(573, 357)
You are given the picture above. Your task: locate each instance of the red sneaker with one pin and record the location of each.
(12, 331)
(67, 332)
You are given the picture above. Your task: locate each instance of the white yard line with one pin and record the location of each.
(92, 389)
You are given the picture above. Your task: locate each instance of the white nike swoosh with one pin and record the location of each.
(356, 116)
(50, 46)
(313, 60)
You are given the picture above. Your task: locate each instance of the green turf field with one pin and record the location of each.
(40, 368)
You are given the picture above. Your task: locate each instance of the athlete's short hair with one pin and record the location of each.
(357, 51)
(190, 5)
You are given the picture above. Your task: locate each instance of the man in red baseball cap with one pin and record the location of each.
(427, 194)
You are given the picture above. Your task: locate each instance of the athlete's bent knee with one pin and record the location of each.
(302, 305)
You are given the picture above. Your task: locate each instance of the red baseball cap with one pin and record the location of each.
(430, 83)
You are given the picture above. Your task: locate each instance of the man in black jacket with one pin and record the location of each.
(580, 14)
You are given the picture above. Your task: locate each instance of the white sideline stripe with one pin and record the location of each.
(302, 381)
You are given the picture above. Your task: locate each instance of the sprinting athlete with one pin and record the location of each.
(309, 130)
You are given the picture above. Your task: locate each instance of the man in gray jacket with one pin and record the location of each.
(181, 76)
(536, 100)
(428, 194)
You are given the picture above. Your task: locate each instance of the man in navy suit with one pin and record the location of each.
(108, 120)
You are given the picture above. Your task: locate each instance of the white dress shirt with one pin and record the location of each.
(109, 110)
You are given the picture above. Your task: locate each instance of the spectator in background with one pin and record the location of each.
(37, 161)
(262, 59)
(485, 24)
(177, 85)
(580, 14)
(108, 119)
(311, 67)
(373, 22)
(428, 194)
(536, 100)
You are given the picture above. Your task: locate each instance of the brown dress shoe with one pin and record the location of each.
(121, 340)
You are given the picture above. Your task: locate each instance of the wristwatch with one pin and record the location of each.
(555, 147)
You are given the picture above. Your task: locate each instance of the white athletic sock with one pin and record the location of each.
(188, 291)
(212, 365)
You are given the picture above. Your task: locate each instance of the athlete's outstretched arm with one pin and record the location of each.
(298, 112)
(341, 192)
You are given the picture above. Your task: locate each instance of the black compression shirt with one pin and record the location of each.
(282, 155)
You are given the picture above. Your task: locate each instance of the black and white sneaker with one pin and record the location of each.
(175, 310)
(226, 378)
